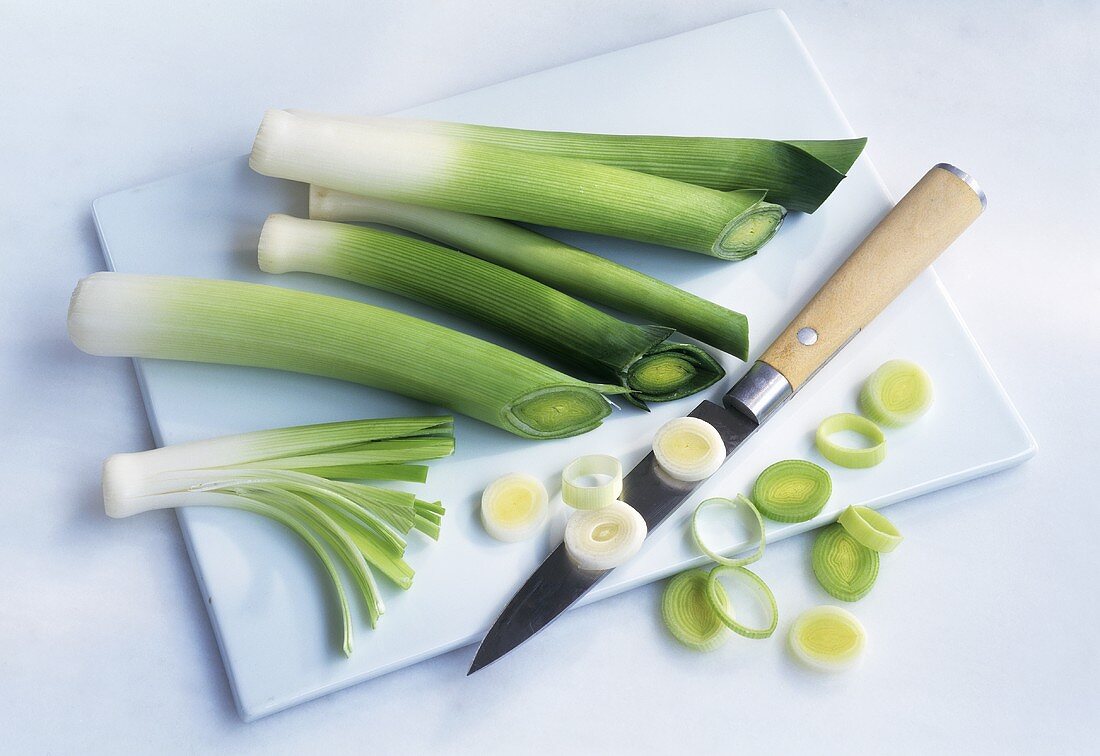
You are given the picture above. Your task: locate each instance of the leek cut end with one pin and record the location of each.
(285, 240)
(122, 479)
(269, 140)
(749, 231)
(558, 412)
(672, 371)
(94, 327)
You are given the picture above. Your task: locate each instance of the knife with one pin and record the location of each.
(913, 234)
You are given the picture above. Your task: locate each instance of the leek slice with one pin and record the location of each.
(716, 593)
(793, 490)
(799, 175)
(846, 456)
(688, 615)
(554, 263)
(896, 394)
(176, 318)
(380, 160)
(740, 503)
(593, 481)
(870, 528)
(688, 448)
(844, 567)
(638, 357)
(514, 507)
(601, 539)
(827, 638)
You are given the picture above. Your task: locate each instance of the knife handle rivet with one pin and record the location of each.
(807, 336)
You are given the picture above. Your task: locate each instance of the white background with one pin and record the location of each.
(984, 628)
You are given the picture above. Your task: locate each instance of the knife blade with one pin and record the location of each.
(923, 224)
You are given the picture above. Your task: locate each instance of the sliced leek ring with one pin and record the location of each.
(738, 504)
(688, 615)
(689, 449)
(514, 507)
(847, 456)
(870, 528)
(896, 394)
(718, 598)
(827, 638)
(601, 539)
(592, 482)
(793, 490)
(846, 569)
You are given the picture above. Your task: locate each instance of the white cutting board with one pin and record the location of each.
(274, 615)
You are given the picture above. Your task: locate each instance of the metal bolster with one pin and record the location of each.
(759, 393)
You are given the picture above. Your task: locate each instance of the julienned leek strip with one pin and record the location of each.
(799, 175)
(556, 264)
(473, 177)
(235, 323)
(638, 357)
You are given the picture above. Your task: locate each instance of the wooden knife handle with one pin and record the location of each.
(921, 226)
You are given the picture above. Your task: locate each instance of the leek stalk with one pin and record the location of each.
(556, 264)
(441, 171)
(638, 357)
(799, 175)
(235, 323)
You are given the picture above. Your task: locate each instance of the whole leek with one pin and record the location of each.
(556, 264)
(485, 179)
(639, 357)
(235, 323)
(799, 175)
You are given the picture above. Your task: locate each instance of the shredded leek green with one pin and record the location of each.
(449, 173)
(741, 503)
(793, 490)
(267, 473)
(896, 394)
(846, 456)
(687, 612)
(638, 357)
(554, 263)
(844, 567)
(236, 323)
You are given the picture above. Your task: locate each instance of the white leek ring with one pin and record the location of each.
(870, 528)
(719, 601)
(601, 539)
(896, 394)
(740, 503)
(689, 449)
(514, 507)
(827, 638)
(847, 456)
(592, 482)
